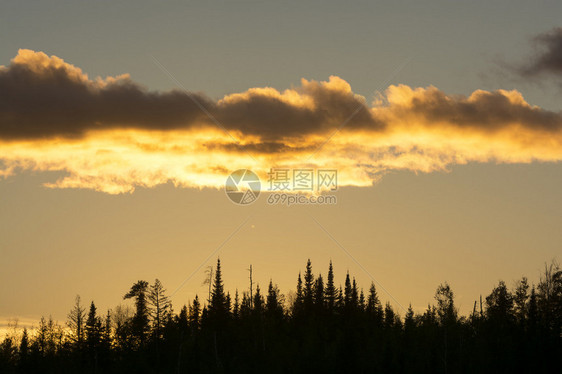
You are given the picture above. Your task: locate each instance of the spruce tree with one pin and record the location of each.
(195, 314)
(330, 293)
(236, 307)
(219, 307)
(23, 350)
(299, 298)
(319, 294)
(93, 328)
(308, 291)
(273, 306)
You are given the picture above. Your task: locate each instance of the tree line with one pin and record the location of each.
(319, 327)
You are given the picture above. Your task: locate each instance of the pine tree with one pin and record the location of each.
(140, 319)
(347, 296)
(389, 316)
(94, 332)
(236, 307)
(24, 350)
(93, 328)
(409, 323)
(340, 300)
(258, 301)
(299, 298)
(308, 291)
(319, 294)
(273, 306)
(373, 302)
(195, 314)
(218, 307)
(107, 331)
(182, 320)
(362, 301)
(354, 296)
(330, 292)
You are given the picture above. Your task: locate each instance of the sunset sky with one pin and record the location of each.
(120, 123)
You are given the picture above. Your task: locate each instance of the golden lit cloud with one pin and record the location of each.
(113, 135)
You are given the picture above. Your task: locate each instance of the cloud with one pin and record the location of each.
(548, 55)
(42, 96)
(113, 135)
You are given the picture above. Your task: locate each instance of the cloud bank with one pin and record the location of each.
(113, 135)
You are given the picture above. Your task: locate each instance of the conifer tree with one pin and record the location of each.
(308, 291)
(354, 296)
(182, 320)
(299, 298)
(219, 307)
(330, 292)
(93, 328)
(195, 314)
(258, 301)
(24, 349)
(319, 294)
(273, 305)
(236, 307)
(140, 320)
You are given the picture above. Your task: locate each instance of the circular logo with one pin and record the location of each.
(243, 187)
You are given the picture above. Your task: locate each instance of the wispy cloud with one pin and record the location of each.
(547, 57)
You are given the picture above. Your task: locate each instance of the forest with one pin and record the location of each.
(320, 327)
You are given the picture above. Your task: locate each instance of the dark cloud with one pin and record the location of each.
(483, 110)
(43, 96)
(548, 58)
(39, 98)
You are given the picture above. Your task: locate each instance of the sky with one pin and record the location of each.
(121, 121)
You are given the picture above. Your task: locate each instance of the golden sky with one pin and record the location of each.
(117, 136)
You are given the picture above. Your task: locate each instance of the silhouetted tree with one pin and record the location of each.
(159, 307)
(76, 320)
(341, 330)
(308, 289)
(195, 314)
(445, 304)
(374, 306)
(94, 331)
(140, 324)
(520, 299)
(219, 307)
(319, 294)
(330, 292)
